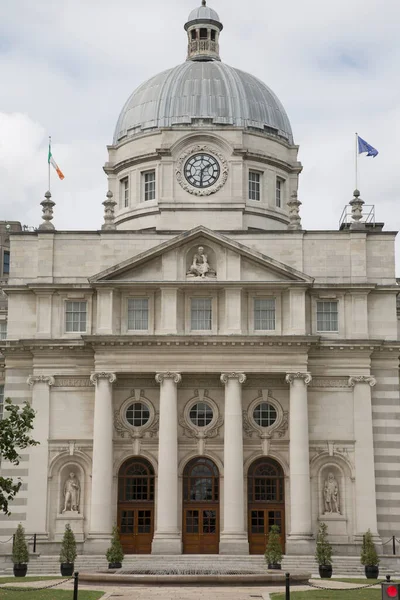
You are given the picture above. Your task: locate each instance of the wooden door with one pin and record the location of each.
(260, 523)
(136, 506)
(201, 531)
(266, 503)
(136, 526)
(200, 525)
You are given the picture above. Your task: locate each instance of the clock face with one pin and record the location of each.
(202, 170)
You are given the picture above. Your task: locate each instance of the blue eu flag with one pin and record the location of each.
(363, 146)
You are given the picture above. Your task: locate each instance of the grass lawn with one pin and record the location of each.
(49, 595)
(366, 594)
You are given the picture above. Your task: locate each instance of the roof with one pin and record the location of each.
(203, 90)
(204, 13)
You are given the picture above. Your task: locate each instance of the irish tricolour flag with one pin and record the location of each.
(53, 163)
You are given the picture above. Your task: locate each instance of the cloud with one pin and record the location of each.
(69, 69)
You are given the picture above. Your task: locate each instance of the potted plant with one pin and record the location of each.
(115, 554)
(369, 557)
(273, 552)
(323, 552)
(67, 552)
(20, 554)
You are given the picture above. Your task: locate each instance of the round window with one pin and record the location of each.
(201, 414)
(265, 414)
(137, 414)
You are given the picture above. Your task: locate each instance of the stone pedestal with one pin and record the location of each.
(75, 520)
(300, 539)
(167, 537)
(234, 538)
(337, 527)
(102, 514)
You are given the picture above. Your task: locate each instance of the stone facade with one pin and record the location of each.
(331, 398)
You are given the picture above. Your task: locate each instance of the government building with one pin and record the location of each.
(201, 367)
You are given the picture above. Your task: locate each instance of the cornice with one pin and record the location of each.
(114, 169)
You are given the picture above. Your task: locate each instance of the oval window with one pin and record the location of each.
(265, 414)
(201, 414)
(137, 414)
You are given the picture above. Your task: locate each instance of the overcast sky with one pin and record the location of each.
(67, 68)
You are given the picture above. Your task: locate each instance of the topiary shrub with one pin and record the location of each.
(68, 551)
(323, 549)
(273, 552)
(20, 554)
(369, 556)
(115, 554)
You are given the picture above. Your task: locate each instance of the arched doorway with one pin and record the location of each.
(200, 507)
(266, 502)
(136, 505)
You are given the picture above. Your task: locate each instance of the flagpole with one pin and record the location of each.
(356, 161)
(48, 160)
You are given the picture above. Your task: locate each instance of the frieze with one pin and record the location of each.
(324, 382)
(72, 382)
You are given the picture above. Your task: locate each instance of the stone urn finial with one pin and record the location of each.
(294, 212)
(109, 205)
(356, 211)
(47, 215)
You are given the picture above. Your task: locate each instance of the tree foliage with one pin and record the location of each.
(323, 549)
(20, 554)
(369, 555)
(273, 552)
(68, 552)
(15, 429)
(115, 554)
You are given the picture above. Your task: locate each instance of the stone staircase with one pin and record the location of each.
(349, 566)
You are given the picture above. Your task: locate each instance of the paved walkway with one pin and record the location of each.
(186, 593)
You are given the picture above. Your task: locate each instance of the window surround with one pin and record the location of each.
(327, 297)
(186, 422)
(6, 252)
(124, 187)
(281, 188)
(123, 424)
(124, 313)
(3, 330)
(143, 185)
(280, 414)
(214, 312)
(1, 401)
(270, 295)
(76, 297)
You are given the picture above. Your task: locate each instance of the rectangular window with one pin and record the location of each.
(138, 314)
(201, 314)
(264, 314)
(125, 191)
(203, 34)
(6, 262)
(149, 179)
(279, 192)
(254, 185)
(327, 316)
(75, 316)
(213, 33)
(1, 401)
(3, 330)
(193, 34)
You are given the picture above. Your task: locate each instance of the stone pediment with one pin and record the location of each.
(201, 255)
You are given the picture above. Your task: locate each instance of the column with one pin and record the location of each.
(167, 537)
(234, 538)
(364, 456)
(36, 517)
(300, 537)
(102, 512)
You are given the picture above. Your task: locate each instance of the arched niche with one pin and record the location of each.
(201, 256)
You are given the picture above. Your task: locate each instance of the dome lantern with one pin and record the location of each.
(203, 28)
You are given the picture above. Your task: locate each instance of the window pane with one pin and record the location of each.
(6, 262)
(254, 185)
(278, 194)
(125, 191)
(3, 330)
(264, 314)
(138, 314)
(75, 316)
(327, 316)
(149, 185)
(201, 314)
(265, 414)
(1, 401)
(201, 414)
(137, 414)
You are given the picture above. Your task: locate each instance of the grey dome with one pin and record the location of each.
(203, 90)
(204, 12)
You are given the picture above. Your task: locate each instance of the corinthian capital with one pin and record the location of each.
(32, 379)
(362, 379)
(94, 378)
(225, 377)
(176, 377)
(306, 377)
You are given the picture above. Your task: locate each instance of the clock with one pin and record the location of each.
(202, 170)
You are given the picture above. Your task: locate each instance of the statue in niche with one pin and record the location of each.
(200, 266)
(72, 492)
(331, 495)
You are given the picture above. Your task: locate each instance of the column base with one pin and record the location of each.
(166, 543)
(302, 544)
(234, 543)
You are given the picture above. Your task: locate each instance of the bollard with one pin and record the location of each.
(76, 581)
(394, 545)
(287, 586)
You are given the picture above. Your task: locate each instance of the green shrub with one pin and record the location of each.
(323, 549)
(273, 552)
(115, 554)
(68, 552)
(369, 556)
(20, 554)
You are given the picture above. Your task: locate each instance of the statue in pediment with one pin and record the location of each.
(200, 266)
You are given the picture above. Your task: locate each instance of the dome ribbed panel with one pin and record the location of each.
(203, 90)
(203, 12)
